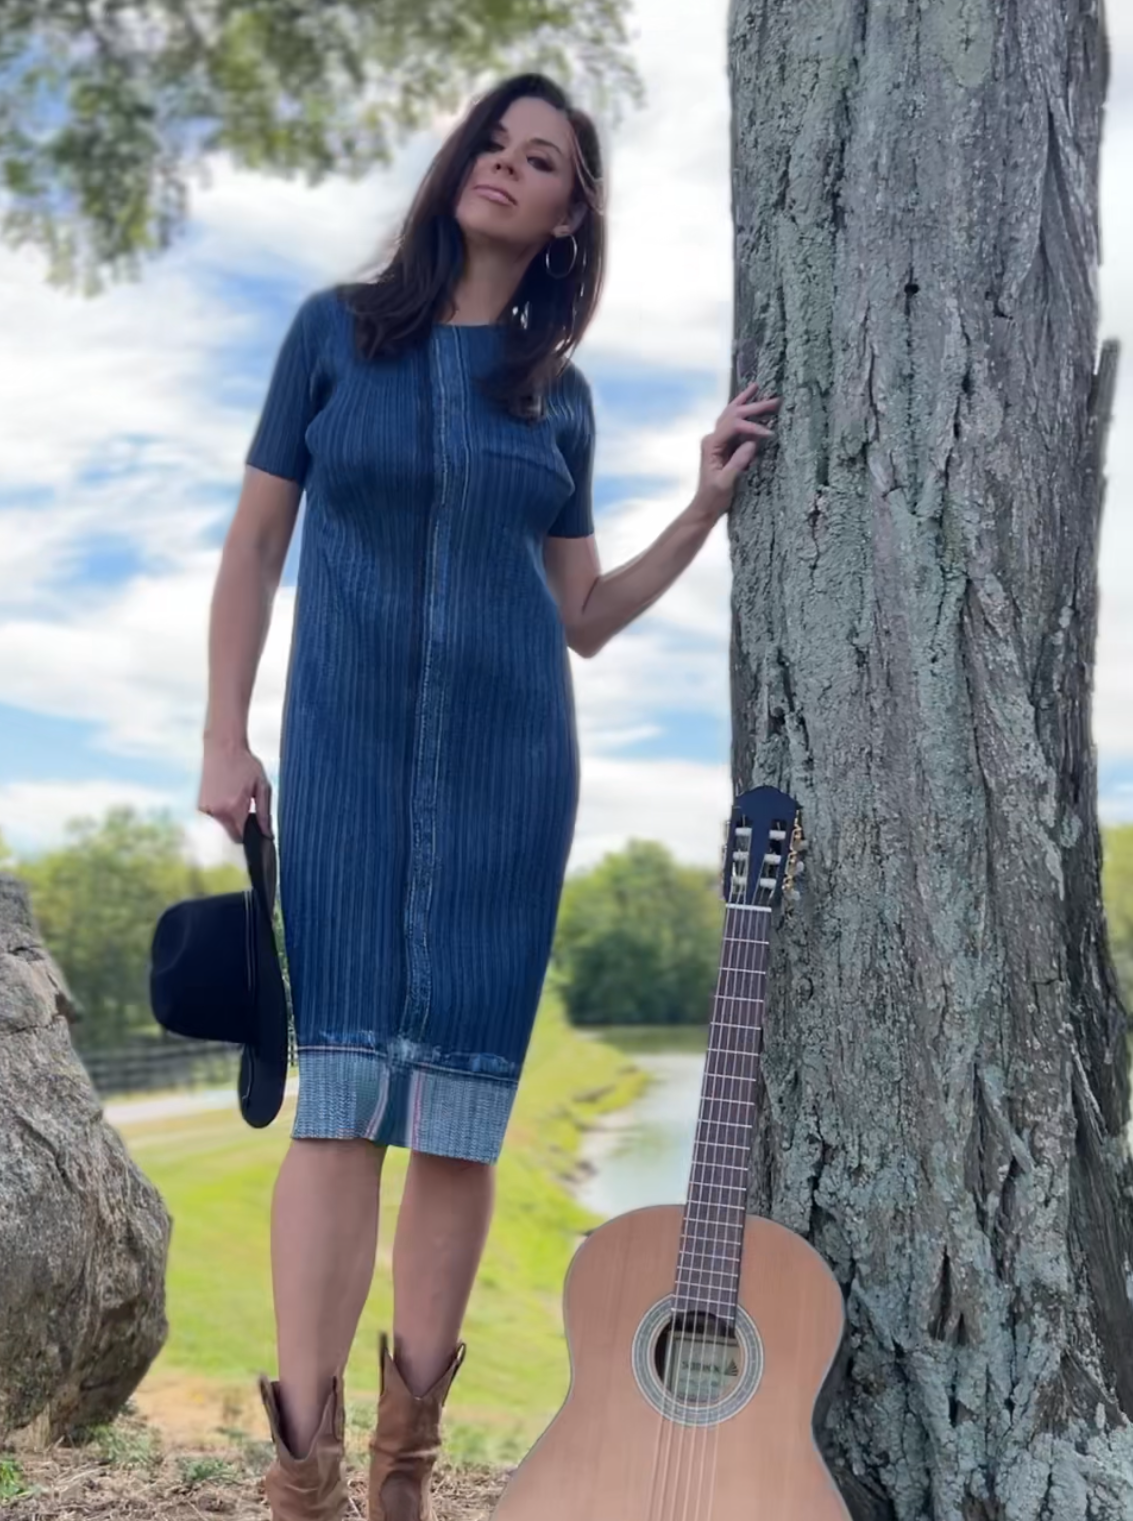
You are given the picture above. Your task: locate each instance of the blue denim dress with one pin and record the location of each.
(429, 763)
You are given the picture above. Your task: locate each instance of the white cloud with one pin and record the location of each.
(33, 813)
(134, 665)
(681, 803)
(254, 226)
(83, 378)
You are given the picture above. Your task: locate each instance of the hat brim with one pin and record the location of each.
(264, 1060)
(263, 1065)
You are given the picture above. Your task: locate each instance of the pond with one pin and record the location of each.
(641, 1155)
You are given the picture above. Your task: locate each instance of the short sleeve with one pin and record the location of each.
(576, 518)
(279, 446)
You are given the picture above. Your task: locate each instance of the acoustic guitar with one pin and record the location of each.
(700, 1338)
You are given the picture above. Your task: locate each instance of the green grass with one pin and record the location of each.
(126, 1446)
(649, 1040)
(216, 1176)
(196, 1470)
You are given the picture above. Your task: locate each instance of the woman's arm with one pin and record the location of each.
(250, 569)
(594, 606)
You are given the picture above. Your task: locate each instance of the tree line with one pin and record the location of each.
(637, 941)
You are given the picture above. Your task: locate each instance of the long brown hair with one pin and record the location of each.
(547, 317)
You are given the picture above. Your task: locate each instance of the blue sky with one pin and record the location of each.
(127, 419)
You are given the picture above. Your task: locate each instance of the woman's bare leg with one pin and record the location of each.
(324, 1237)
(441, 1230)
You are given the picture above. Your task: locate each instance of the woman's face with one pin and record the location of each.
(519, 188)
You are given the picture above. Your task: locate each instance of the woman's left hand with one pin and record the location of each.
(729, 449)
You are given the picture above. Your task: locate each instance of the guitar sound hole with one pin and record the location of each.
(698, 1358)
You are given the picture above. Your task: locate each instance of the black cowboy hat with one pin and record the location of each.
(215, 975)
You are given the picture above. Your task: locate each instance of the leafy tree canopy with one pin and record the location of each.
(107, 107)
(97, 899)
(638, 940)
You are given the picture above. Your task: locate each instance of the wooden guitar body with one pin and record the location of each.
(748, 1454)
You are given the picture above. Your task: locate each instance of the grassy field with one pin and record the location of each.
(216, 1176)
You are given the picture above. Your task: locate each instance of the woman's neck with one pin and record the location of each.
(487, 286)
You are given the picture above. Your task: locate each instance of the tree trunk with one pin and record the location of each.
(915, 608)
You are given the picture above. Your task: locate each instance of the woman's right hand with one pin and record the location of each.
(232, 779)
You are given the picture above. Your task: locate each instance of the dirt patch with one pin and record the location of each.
(132, 1479)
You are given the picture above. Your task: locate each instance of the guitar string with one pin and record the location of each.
(705, 1241)
(740, 1054)
(668, 1401)
(712, 1179)
(696, 1447)
(756, 980)
(675, 1346)
(709, 1442)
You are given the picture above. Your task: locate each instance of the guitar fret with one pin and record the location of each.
(724, 1248)
(707, 1235)
(691, 1235)
(702, 1302)
(697, 1274)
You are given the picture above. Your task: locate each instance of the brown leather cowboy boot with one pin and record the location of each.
(406, 1442)
(310, 1488)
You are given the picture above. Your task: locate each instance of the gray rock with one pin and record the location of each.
(84, 1236)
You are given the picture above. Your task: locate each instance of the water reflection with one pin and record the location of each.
(641, 1156)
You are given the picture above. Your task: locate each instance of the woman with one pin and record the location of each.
(429, 768)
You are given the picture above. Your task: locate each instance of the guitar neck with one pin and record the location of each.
(712, 1234)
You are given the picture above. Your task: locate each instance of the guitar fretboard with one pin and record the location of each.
(708, 1263)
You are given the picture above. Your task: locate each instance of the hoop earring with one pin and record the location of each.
(573, 257)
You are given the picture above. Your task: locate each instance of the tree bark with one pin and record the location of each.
(915, 198)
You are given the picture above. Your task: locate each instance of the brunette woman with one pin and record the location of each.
(429, 773)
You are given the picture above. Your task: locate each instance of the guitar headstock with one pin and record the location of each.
(765, 828)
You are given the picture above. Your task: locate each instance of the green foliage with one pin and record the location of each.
(125, 1445)
(107, 109)
(1117, 890)
(97, 899)
(12, 1484)
(638, 940)
(197, 1469)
